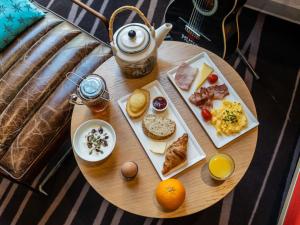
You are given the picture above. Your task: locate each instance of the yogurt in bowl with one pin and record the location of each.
(94, 140)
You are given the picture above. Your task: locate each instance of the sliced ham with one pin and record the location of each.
(185, 76)
(204, 97)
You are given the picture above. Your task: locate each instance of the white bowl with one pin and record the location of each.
(80, 142)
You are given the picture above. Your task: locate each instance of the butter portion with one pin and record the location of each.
(158, 147)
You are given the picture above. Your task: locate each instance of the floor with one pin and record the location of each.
(272, 47)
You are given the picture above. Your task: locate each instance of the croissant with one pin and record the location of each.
(175, 154)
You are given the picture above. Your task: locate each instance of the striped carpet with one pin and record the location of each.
(272, 46)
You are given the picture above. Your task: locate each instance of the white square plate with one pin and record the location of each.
(218, 140)
(195, 152)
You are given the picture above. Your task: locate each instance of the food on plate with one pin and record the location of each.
(185, 76)
(160, 103)
(206, 114)
(219, 91)
(204, 96)
(176, 154)
(129, 170)
(96, 140)
(212, 78)
(205, 71)
(230, 118)
(158, 147)
(221, 166)
(170, 194)
(138, 103)
(157, 127)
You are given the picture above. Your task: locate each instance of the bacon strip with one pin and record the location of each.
(204, 97)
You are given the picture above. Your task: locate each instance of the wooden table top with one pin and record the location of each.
(138, 196)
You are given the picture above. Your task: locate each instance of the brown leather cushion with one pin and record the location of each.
(34, 91)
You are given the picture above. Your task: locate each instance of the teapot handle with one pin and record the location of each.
(121, 9)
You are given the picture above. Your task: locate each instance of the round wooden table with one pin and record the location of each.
(137, 196)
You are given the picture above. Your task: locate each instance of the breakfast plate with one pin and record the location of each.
(219, 140)
(194, 151)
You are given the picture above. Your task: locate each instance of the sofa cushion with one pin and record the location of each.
(15, 17)
(34, 90)
(25, 40)
(53, 115)
(31, 62)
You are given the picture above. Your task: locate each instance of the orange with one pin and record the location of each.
(170, 194)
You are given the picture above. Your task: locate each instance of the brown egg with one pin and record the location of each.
(129, 170)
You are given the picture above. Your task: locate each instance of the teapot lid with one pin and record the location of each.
(91, 87)
(133, 38)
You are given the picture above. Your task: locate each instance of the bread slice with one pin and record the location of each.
(138, 103)
(157, 127)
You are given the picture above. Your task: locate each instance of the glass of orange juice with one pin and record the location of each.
(221, 166)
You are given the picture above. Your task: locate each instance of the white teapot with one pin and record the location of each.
(135, 45)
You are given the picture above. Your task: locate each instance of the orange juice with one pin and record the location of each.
(221, 166)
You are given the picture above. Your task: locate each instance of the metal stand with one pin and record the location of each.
(247, 64)
(30, 188)
(53, 171)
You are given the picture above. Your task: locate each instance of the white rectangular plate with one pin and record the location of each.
(194, 152)
(218, 140)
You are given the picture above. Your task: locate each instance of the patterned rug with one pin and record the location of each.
(272, 46)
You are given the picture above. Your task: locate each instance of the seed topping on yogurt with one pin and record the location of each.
(96, 140)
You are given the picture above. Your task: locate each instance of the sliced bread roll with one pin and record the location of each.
(138, 103)
(157, 127)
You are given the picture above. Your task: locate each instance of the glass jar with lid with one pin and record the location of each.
(92, 92)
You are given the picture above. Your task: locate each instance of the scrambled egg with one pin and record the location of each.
(229, 119)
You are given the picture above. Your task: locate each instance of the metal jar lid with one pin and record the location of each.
(91, 87)
(133, 38)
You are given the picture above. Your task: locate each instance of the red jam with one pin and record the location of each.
(159, 103)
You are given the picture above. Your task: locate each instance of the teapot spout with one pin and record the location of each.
(161, 33)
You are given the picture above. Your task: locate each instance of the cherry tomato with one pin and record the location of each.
(206, 114)
(212, 78)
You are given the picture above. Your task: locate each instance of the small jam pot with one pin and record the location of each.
(92, 92)
(159, 104)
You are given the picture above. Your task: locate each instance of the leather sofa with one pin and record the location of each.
(34, 91)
